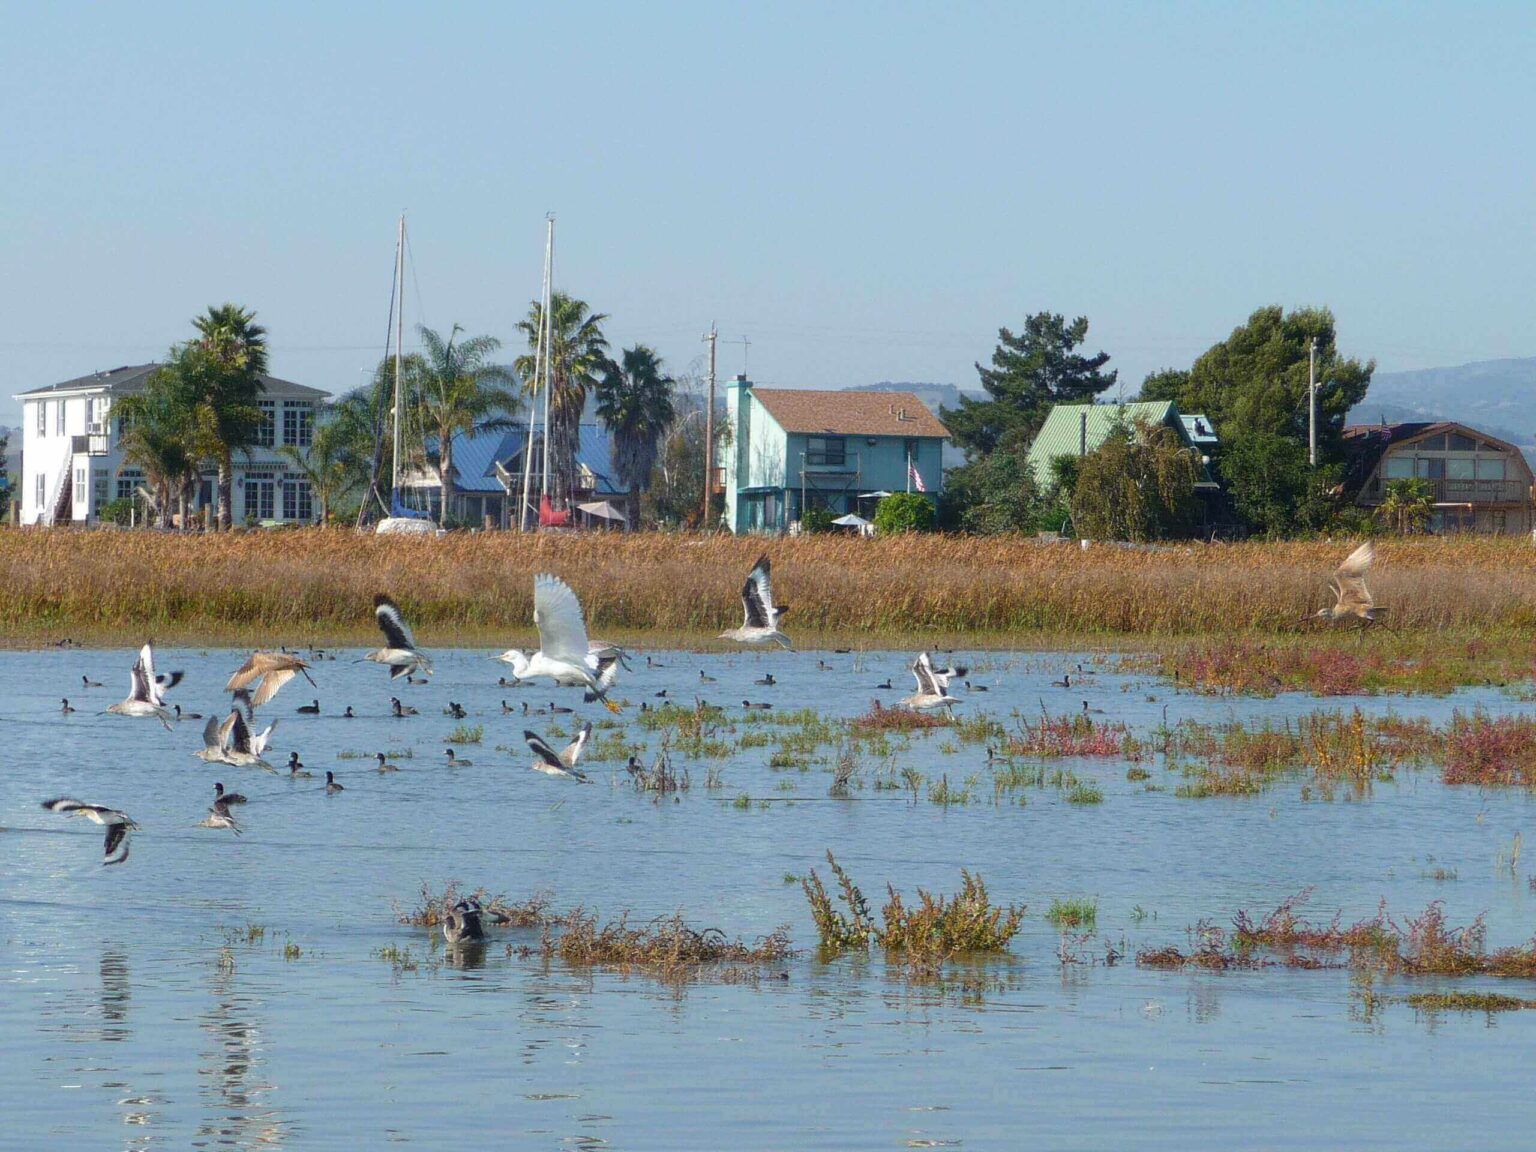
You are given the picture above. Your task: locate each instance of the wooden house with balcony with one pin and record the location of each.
(793, 449)
(1478, 483)
(72, 461)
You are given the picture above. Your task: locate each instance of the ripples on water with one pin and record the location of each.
(135, 1010)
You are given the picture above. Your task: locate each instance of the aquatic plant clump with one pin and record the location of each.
(432, 908)
(925, 935)
(665, 947)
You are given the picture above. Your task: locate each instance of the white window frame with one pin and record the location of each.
(42, 418)
(59, 417)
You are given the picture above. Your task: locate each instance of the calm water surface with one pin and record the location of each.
(129, 1018)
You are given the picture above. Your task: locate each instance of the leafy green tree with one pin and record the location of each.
(578, 356)
(634, 400)
(904, 512)
(1030, 372)
(1138, 485)
(1408, 505)
(1274, 489)
(158, 438)
(994, 493)
(817, 520)
(1255, 381)
(462, 391)
(5, 479)
(330, 463)
(219, 374)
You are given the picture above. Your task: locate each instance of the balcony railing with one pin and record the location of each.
(93, 443)
(1464, 491)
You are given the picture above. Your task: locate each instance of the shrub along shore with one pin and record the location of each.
(314, 586)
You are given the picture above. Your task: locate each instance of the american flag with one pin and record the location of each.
(915, 476)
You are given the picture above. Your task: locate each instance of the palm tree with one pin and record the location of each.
(461, 391)
(578, 355)
(1408, 505)
(221, 375)
(330, 463)
(365, 414)
(156, 438)
(634, 399)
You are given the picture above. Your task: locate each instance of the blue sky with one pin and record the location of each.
(865, 191)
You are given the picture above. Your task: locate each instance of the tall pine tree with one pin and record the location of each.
(1030, 372)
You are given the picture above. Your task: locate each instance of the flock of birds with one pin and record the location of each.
(566, 656)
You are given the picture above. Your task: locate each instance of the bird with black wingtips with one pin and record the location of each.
(146, 689)
(562, 763)
(932, 686)
(565, 654)
(399, 653)
(761, 622)
(267, 671)
(118, 825)
(462, 922)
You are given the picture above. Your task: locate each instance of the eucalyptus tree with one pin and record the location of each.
(634, 401)
(461, 391)
(578, 357)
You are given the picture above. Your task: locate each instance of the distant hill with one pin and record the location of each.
(1496, 396)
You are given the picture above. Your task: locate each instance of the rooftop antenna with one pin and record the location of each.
(745, 346)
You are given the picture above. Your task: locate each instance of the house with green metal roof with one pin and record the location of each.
(1078, 429)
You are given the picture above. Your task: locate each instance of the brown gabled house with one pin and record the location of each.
(1478, 482)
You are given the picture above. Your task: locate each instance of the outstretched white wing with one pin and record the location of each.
(557, 615)
(572, 751)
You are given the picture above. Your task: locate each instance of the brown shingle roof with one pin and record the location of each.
(811, 411)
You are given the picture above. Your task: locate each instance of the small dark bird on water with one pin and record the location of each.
(507, 709)
(557, 710)
(455, 762)
(1064, 682)
(310, 709)
(347, 715)
(226, 797)
(456, 710)
(766, 682)
(886, 685)
(662, 695)
(89, 683)
(400, 709)
(180, 715)
(330, 783)
(703, 679)
(505, 683)
(295, 767)
(649, 663)
(66, 709)
(969, 687)
(749, 704)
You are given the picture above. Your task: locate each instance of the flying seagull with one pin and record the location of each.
(269, 671)
(1353, 598)
(761, 625)
(399, 651)
(932, 686)
(146, 694)
(563, 763)
(118, 825)
(565, 654)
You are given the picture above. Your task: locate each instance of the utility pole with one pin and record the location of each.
(1312, 403)
(711, 338)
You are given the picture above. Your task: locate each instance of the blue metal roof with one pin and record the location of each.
(475, 455)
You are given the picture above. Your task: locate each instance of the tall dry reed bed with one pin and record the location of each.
(314, 583)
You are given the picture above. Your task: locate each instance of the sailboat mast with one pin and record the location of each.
(533, 400)
(394, 474)
(549, 275)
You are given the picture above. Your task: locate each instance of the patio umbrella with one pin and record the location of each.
(603, 511)
(851, 521)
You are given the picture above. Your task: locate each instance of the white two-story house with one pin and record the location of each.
(72, 462)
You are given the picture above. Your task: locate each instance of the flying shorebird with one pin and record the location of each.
(231, 742)
(145, 697)
(1353, 598)
(932, 686)
(762, 617)
(565, 655)
(219, 817)
(269, 671)
(399, 651)
(562, 763)
(118, 825)
(603, 659)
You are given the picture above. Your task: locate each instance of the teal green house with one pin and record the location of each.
(793, 449)
(1078, 429)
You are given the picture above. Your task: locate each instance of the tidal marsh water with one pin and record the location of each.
(259, 990)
